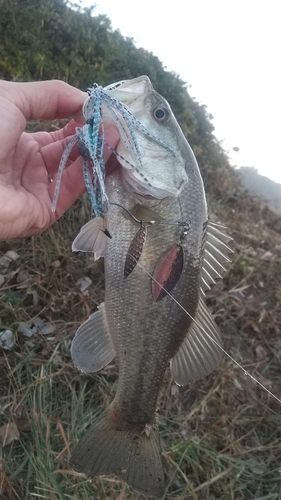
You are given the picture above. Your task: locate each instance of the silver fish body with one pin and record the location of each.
(174, 247)
(148, 333)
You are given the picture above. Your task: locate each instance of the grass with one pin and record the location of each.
(221, 436)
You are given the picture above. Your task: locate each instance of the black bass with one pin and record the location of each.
(159, 249)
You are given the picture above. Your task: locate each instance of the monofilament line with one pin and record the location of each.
(209, 336)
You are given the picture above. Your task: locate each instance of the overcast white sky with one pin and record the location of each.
(229, 52)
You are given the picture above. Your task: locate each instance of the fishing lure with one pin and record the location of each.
(91, 142)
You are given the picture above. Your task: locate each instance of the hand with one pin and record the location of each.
(29, 160)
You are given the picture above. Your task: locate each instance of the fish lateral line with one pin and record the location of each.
(248, 374)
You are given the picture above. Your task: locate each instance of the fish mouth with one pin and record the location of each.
(128, 91)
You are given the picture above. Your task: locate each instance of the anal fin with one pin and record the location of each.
(92, 347)
(199, 355)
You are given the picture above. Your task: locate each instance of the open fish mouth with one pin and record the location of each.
(151, 164)
(128, 91)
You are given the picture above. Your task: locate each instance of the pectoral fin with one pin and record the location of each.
(92, 347)
(93, 237)
(199, 355)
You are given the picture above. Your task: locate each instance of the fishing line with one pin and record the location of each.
(186, 225)
(209, 336)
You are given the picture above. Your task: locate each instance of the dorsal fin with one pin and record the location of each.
(215, 255)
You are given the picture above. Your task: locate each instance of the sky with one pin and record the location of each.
(228, 51)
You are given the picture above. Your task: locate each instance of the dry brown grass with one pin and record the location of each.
(221, 436)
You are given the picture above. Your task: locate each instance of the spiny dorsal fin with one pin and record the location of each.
(92, 347)
(93, 237)
(215, 255)
(198, 355)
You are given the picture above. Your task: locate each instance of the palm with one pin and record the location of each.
(29, 161)
(27, 191)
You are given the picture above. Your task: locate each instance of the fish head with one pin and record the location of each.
(162, 145)
(153, 152)
(152, 149)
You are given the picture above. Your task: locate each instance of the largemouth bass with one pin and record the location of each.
(160, 251)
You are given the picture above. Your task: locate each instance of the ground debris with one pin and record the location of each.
(8, 433)
(83, 283)
(36, 326)
(7, 339)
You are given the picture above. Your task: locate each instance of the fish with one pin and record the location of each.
(160, 251)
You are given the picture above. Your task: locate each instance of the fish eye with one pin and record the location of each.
(161, 114)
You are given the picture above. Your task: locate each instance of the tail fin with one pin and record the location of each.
(136, 458)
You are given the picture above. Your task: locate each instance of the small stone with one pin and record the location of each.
(24, 330)
(47, 329)
(267, 255)
(23, 276)
(5, 262)
(7, 339)
(12, 255)
(44, 327)
(56, 264)
(83, 283)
